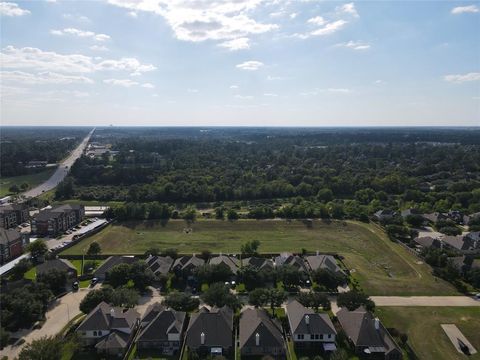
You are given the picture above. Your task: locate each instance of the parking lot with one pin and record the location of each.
(56, 244)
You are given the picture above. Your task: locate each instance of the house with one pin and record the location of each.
(12, 243)
(386, 214)
(258, 263)
(224, 260)
(160, 265)
(309, 329)
(52, 222)
(260, 335)
(187, 264)
(108, 329)
(101, 272)
(291, 260)
(163, 330)
(464, 263)
(426, 242)
(57, 264)
(12, 215)
(327, 262)
(434, 217)
(367, 334)
(210, 332)
(409, 212)
(463, 244)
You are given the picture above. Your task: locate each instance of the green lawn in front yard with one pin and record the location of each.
(31, 179)
(381, 266)
(31, 274)
(425, 335)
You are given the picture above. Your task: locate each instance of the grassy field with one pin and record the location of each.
(381, 266)
(427, 338)
(32, 180)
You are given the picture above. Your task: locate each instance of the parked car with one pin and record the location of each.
(75, 286)
(93, 282)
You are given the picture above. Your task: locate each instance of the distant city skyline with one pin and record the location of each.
(240, 63)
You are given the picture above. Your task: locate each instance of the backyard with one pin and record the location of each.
(425, 335)
(382, 267)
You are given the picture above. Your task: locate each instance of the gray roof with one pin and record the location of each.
(164, 323)
(114, 340)
(159, 264)
(9, 235)
(106, 317)
(56, 211)
(229, 261)
(13, 207)
(257, 262)
(428, 241)
(257, 321)
(58, 264)
(323, 262)
(152, 311)
(359, 325)
(187, 263)
(291, 260)
(111, 262)
(317, 323)
(216, 324)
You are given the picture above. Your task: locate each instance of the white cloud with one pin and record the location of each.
(274, 78)
(251, 65)
(121, 82)
(192, 91)
(236, 44)
(203, 20)
(46, 77)
(348, 9)
(39, 60)
(339, 90)
(81, 34)
(293, 15)
(270, 94)
(233, 87)
(12, 9)
(329, 28)
(132, 14)
(465, 9)
(461, 78)
(148, 86)
(379, 82)
(76, 17)
(244, 97)
(99, 48)
(317, 20)
(80, 94)
(355, 45)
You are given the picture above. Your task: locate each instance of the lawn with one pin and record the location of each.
(381, 266)
(427, 338)
(31, 179)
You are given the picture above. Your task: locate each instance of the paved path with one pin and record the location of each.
(454, 334)
(425, 301)
(58, 315)
(61, 172)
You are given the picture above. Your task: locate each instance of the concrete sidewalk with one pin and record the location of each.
(425, 301)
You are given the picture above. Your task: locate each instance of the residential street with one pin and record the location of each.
(424, 301)
(59, 314)
(61, 172)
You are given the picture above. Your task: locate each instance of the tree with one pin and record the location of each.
(314, 300)
(232, 215)
(354, 299)
(190, 214)
(181, 301)
(54, 279)
(290, 276)
(94, 249)
(219, 295)
(172, 252)
(153, 251)
(21, 268)
(125, 297)
(328, 279)
(45, 348)
(95, 297)
(276, 297)
(325, 195)
(141, 275)
(4, 337)
(339, 354)
(258, 297)
(219, 213)
(38, 248)
(14, 188)
(24, 186)
(250, 248)
(118, 275)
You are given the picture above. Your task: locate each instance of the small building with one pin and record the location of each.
(160, 265)
(53, 222)
(384, 215)
(310, 330)
(260, 335)
(186, 265)
(368, 336)
(12, 215)
(326, 262)
(60, 265)
(101, 272)
(12, 243)
(162, 330)
(288, 259)
(210, 332)
(108, 329)
(258, 263)
(230, 262)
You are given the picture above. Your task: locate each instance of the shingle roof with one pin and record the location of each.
(114, 340)
(257, 262)
(216, 324)
(257, 321)
(58, 264)
(323, 262)
(428, 241)
(9, 235)
(106, 317)
(317, 323)
(229, 261)
(159, 264)
(186, 262)
(152, 311)
(359, 325)
(111, 262)
(56, 211)
(166, 322)
(291, 260)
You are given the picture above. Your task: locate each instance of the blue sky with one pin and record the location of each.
(239, 63)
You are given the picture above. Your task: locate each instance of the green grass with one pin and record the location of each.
(425, 335)
(31, 274)
(31, 179)
(382, 267)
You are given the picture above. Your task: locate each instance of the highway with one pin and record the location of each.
(61, 172)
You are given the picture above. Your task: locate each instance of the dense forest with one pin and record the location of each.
(382, 167)
(19, 145)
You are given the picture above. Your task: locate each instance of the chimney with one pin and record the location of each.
(202, 338)
(307, 319)
(112, 312)
(377, 324)
(257, 339)
(318, 252)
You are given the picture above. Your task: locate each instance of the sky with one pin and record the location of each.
(240, 63)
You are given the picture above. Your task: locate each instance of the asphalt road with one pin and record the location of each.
(61, 172)
(424, 301)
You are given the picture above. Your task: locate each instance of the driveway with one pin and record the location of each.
(424, 301)
(145, 301)
(58, 315)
